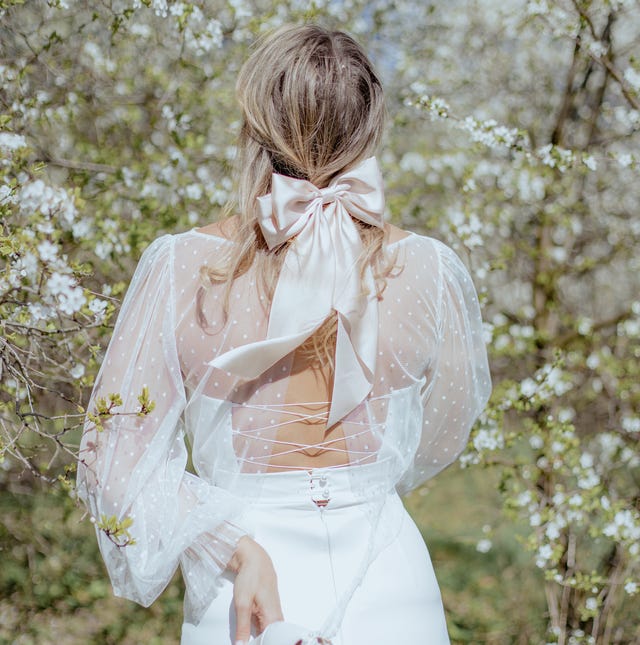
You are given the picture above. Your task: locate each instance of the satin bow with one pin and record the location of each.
(319, 274)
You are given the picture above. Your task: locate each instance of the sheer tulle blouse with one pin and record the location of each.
(430, 384)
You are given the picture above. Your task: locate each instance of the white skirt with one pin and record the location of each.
(317, 527)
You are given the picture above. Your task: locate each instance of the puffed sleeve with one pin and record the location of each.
(132, 461)
(457, 382)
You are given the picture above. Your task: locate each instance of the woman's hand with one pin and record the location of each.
(255, 590)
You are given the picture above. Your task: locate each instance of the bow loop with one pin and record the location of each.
(320, 276)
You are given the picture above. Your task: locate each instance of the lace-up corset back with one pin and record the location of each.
(302, 438)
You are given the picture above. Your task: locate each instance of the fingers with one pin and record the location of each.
(243, 620)
(274, 612)
(268, 608)
(266, 617)
(255, 590)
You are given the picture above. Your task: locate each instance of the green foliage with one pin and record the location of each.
(146, 404)
(53, 585)
(116, 530)
(514, 138)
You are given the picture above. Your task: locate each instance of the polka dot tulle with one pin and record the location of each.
(430, 384)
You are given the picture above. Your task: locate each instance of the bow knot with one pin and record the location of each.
(331, 193)
(319, 276)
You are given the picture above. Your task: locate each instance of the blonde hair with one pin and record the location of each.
(312, 107)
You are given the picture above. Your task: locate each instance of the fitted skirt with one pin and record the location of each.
(348, 557)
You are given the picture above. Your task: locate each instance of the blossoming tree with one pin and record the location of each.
(514, 137)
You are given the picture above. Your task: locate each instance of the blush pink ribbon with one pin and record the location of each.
(320, 273)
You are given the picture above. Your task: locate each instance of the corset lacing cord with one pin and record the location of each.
(253, 434)
(333, 622)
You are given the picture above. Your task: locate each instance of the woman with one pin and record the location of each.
(318, 359)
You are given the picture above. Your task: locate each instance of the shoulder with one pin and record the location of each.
(433, 251)
(395, 233)
(223, 229)
(158, 252)
(197, 245)
(201, 242)
(434, 267)
(419, 250)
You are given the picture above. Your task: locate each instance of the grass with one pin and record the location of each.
(495, 597)
(54, 589)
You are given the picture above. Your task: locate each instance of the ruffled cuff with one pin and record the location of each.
(202, 564)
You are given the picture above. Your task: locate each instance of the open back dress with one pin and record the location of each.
(207, 464)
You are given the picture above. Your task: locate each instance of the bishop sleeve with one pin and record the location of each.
(132, 459)
(457, 382)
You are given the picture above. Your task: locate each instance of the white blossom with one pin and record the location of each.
(586, 460)
(160, 7)
(565, 415)
(81, 228)
(484, 545)
(593, 361)
(623, 527)
(555, 381)
(193, 191)
(39, 311)
(558, 253)
(77, 371)
(537, 7)
(59, 283)
(528, 388)
(631, 424)
(625, 159)
(10, 141)
(591, 604)
(524, 498)
(598, 49)
(25, 267)
(557, 446)
(436, 107)
(71, 301)
(47, 251)
(489, 133)
(413, 162)
(536, 442)
(97, 306)
(103, 249)
(488, 439)
(36, 196)
(632, 77)
(241, 9)
(555, 156)
(140, 29)
(630, 328)
(7, 194)
(531, 188)
(588, 480)
(552, 531)
(545, 552)
(177, 9)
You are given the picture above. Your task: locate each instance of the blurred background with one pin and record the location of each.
(513, 137)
